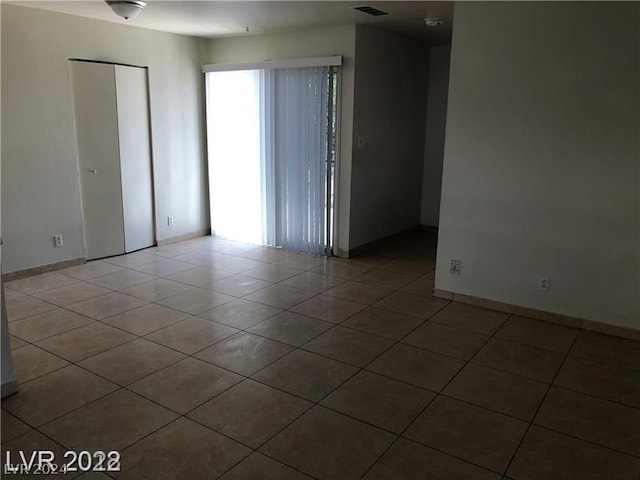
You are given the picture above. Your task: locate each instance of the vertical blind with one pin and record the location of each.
(271, 136)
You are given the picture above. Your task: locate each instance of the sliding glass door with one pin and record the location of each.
(271, 140)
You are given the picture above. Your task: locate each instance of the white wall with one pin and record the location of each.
(309, 43)
(389, 114)
(8, 382)
(40, 186)
(437, 96)
(542, 157)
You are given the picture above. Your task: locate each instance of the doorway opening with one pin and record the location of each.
(271, 136)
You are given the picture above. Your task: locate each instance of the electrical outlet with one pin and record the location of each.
(361, 142)
(454, 267)
(57, 240)
(543, 284)
(170, 220)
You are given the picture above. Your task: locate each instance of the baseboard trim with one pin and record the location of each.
(591, 325)
(354, 252)
(9, 388)
(184, 237)
(429, 228)
(52, 267)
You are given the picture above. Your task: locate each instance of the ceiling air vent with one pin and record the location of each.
(376, 12)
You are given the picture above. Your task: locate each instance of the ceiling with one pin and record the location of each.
(214, 19)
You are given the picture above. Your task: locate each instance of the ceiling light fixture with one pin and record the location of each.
(432, 22)
(126, 8)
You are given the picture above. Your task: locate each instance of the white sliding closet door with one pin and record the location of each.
(114, 154)
(135, 157)
(94, 93)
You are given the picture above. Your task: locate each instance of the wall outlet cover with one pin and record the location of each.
(455, 267)
(544, 284)
(57, 240)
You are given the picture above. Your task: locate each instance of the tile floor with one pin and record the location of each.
(210, 359)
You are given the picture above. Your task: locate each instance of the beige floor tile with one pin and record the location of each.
(359, 292)
(25, 306)
(174, 249)
(416, 366)
(384, 323)
(472, 433)
(546, 454)
(329, 445)
(200, 257)
(498, 391)
(280, 296)
(105, 306)
(131, 362)
(413, 305)
(314, 282)
(196, 301)
(244, 353)
(422, 286)
(250, 412)
(30, 362)
(273, 272)
(122, 279)
(191, 335)
(181, 450)
(472, 318)
(94, 475)
(537, 333)
(156, 289)
(328, 308)
(305, 374)
(384, 278)
(30, 444)
(237, 264)
(257, 467)
(12, 427)
(303, 261)
(238, 285)
(598, 421)
(46, 398)
(113, 422)
(379, 400)
(39, 283)
(290, 328)
(407, 265)
(185, 385)
(530, 362)
(199, 276)
(48, 324)
(601, 380)
(83, 342)
(349, 346)
(17, 342)
(267, 254)
(164, 267)
(448, 340)
(240, 313)
(133, 259)
(69, 294)
(10, 294)
(407, 460)
(146, 319)
(605, 348)
(91, 269)
(340, 268)
(233, 248)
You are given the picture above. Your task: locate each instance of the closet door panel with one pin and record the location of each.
(94, 91)
(135, 157)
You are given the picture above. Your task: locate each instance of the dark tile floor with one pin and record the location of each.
(211, 359)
